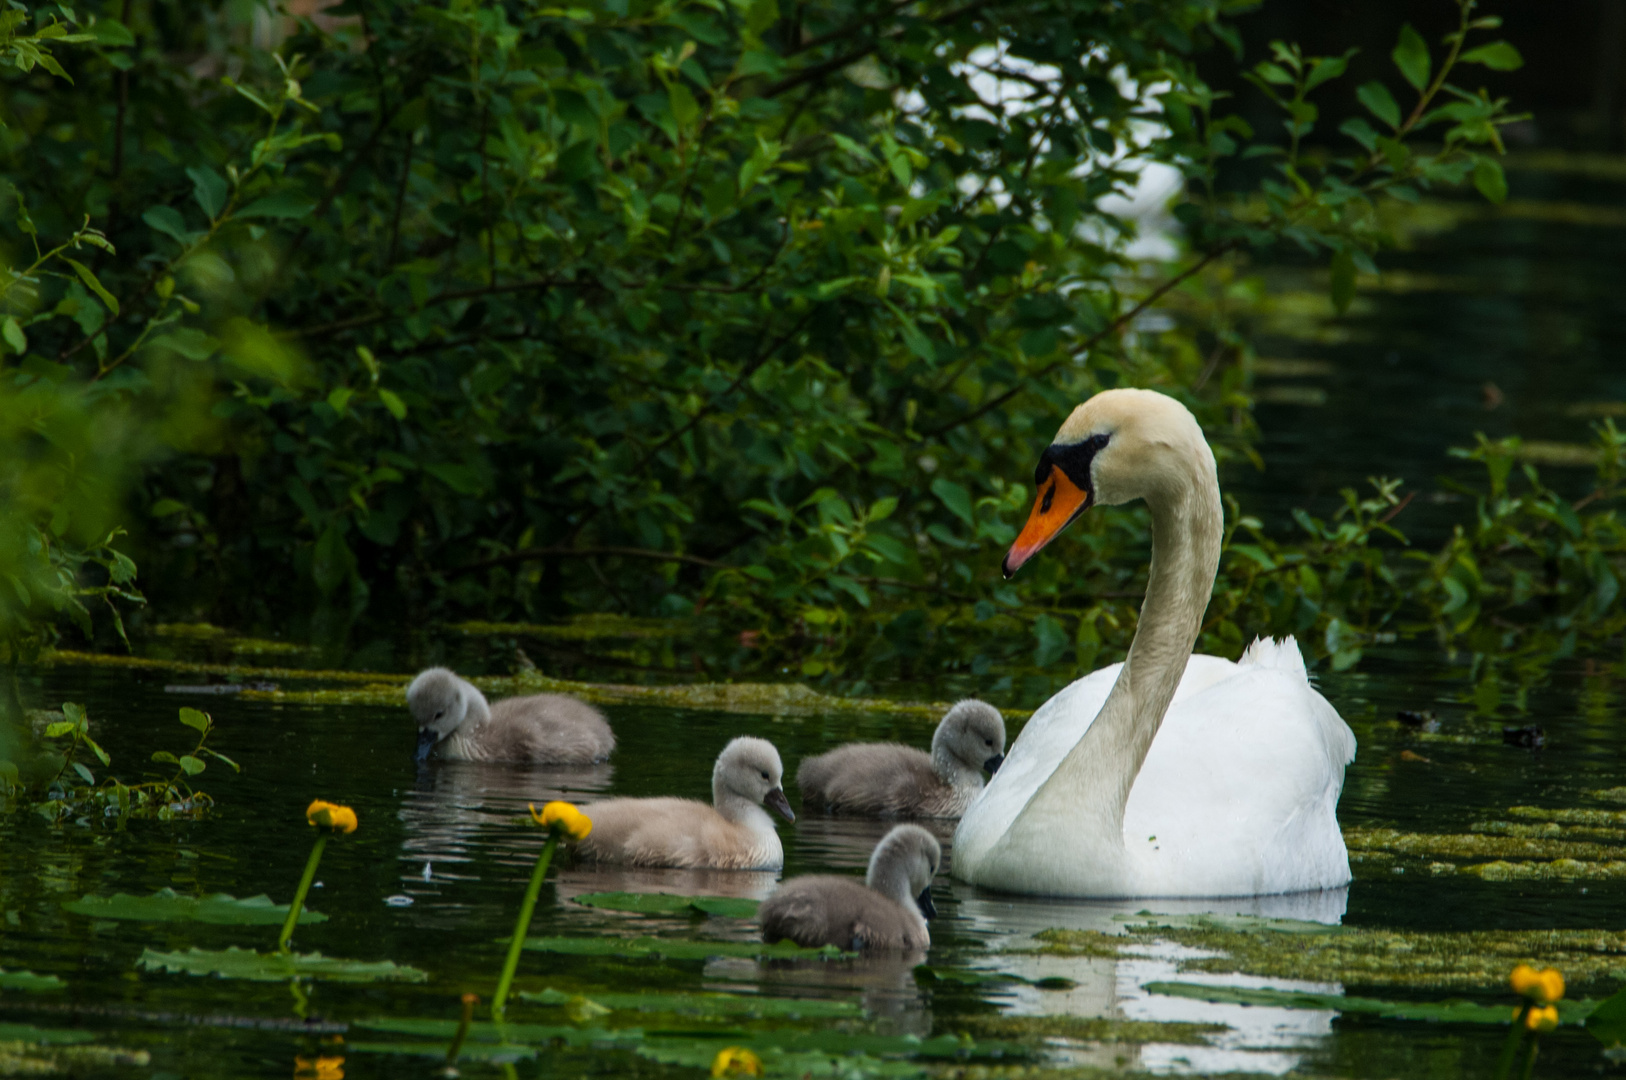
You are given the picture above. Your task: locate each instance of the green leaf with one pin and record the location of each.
(166, 905)
(1343, 280)
(93, 284)
(166, 507)
(27, 980)
(189, 342)
(1379, 102)
(1411, 57)
(191, 765)
(282, 204)
(59, 728)
(338, 399)
(394, 404)
(84, 773)
(27, 1033)
(1498, 56)
(674, 948)
(168, 220)
(235, 963)
(1607, 1022)
(671, 904)
(111, 34)
(95, 748)
(955, 498)
(1453, 1010)
(1489, 179)
(14, 336)
(209, 188)
(333, 561)
(164, 757)
(195, 720)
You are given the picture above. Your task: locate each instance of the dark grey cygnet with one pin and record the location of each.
(887, 912)
(893, 780)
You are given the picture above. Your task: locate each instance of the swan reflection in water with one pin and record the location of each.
(1258, 1039)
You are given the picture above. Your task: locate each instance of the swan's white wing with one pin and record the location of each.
(1239, 792)
(1049, 736)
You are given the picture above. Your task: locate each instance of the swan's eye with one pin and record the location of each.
(987, 742)
(765, 776)
(440, 714)
(1049, 498)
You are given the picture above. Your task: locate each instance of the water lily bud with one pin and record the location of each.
(735, 1061)
(1544, 1018)
(565, 818)
(326, 815)
(1551, 983)
(1524, 980)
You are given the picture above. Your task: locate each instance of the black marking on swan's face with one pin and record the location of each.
(1074, 459)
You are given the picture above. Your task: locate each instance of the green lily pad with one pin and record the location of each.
(487, 1052)
(671, 904)
(676, 948)
(521, 1034)
(1450, 1011)
(782, 1064)
(27, 980)
(235, 963)
(747, 1005)
(1608, 1021)
(27, 1033)
(926, 974)
(166, 905)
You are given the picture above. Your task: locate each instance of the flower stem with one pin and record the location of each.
(299, 894)
(1530, 1062)
(1510, 1049)
(521, 926)
(469, 1001)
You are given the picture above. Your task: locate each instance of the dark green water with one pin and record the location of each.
(434, 875)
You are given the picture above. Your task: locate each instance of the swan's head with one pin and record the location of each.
(439, 701)
(1118, 446)
(750, 768)
(974, 732)
(907, 854)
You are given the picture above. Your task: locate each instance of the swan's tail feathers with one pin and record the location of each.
(1283, 655)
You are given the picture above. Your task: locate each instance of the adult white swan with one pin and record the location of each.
(1169, 774)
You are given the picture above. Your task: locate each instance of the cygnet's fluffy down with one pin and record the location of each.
(893, 780)
(734, 833)
(886, 913)
(456, 723)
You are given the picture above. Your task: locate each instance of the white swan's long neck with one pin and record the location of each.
(1089, 789)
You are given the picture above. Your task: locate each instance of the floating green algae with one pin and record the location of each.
(246, 672)
(1556, 870)
(1571, 817)
(765, 699)
(591, 627)
(1363, 956)
(27, 980)
(1036, 1029)
(1473, 845)
(1614, 794)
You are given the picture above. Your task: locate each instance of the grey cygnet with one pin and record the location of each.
(456, 723)
(886, 913)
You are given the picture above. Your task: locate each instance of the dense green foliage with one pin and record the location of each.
(754, 310)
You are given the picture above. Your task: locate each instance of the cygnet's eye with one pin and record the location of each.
(440, 714)
(987, 742)
(765, 774)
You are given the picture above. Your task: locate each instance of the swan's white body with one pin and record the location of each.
(1170, 774)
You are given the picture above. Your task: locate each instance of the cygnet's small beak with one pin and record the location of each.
(426, 742)
(993, 763)
(776, 799)
(924, 902)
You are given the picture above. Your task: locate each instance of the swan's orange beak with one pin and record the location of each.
(1057, 503)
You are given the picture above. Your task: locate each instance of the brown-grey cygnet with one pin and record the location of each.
(456, 723)
(733, 833)
(886, 913)
(893, 780)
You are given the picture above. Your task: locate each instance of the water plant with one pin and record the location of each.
(327, 818)
(733, 1062)
(1536, 1015)
(561, 819)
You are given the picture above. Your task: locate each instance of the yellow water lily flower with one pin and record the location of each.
(1541, 1018)
(1546, 985)
(735, 1061)
(565, 817)
(322, 1068)
(326, 815)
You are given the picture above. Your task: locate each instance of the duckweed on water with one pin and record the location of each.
(1571, 817)
(37, 1056)
(1473, 845)
(1362, 956)
(1557, 869)
(1454, 1011)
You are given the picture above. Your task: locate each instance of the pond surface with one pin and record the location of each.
(434, 875)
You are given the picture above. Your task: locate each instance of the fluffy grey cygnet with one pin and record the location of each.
(456, 723)
(886, 913)
(893, 780)
(734, 833)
